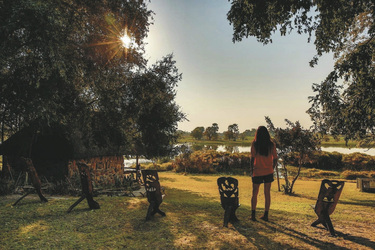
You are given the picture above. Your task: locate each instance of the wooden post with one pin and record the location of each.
(137, 176)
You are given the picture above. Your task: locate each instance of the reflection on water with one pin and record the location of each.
(370, 151)
(131, 162)
(245, 149)
(222, 148)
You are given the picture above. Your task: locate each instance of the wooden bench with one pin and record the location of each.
(228, 189)
(35, 181)
(87, 189)
(366, 185)
(329, 194)
(153, 192)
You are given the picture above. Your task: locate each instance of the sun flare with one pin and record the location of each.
(126, 41)
(116, 41)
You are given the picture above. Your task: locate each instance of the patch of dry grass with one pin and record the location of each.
(194, 220)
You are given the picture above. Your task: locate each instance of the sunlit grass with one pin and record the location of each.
(194, 220)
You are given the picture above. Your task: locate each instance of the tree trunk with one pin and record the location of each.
(137, 177)
(296, 177)
(287, 185)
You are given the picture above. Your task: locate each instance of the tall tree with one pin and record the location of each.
(63, 62)
(232, 133)
(154, 112)
(197, 133)
(296, 141)
(344, 101)
(211, 132)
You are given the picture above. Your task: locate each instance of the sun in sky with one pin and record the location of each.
(126, 41)
(117, 41)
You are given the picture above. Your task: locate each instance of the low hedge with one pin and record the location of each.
(211, 161)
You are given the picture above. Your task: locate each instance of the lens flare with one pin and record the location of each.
(126, 41)
(116, 41)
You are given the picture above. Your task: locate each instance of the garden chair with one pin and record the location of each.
(35, 181)
(153, 192)
(87, 189)
(228, 189)
(329, 194)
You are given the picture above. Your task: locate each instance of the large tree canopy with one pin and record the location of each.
(62, 62)
(344, 101)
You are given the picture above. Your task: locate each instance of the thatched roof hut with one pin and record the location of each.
(48, 148)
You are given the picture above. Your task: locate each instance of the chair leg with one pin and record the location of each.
(92, 204)
(329, 223)
(150, 211)
(227, 214)
(157, 210)
(76, 203)
(315, 223)
(233, 217)
(23, 196)
(41, 196)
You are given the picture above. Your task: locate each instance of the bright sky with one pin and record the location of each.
(225, 82)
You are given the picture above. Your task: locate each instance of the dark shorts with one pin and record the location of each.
(262, 179)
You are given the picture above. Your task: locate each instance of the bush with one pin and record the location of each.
(211, 161)
(352, 175)
(318, 173)
(358, 161)
(7, 186)
(336, 161)
(167, 166)
(325, 161)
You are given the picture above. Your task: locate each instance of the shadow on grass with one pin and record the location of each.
(301, 235)
(192, 221)
(305, 196)
(255, 232)
(167, 179)
(200, 179)
(357, 239)
(188, 205)
(365, 203)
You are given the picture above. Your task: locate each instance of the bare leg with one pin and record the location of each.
(267, 196)
(254, 200)
(267, 199)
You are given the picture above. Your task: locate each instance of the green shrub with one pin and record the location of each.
(358, 161)
(337, 161)
(166, 166)
(211, 161)
(352, 175)
(325, 161)
(7, 186)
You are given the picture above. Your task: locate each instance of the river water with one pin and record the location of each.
(371, 151)
(244, 149)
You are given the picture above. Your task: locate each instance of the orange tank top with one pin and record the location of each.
(263, 165)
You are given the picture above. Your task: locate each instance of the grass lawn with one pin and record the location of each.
(194, 220)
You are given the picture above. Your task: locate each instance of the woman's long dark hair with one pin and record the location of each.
(262, 141)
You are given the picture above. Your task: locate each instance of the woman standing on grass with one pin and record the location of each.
(263, 161)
